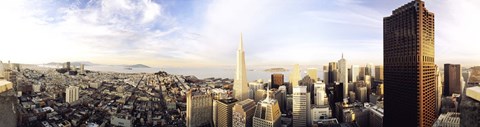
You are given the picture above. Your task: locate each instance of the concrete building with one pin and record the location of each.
(453, 74)
(301, 107)
(319, 113)
(361, 93)
(267, 113)
(320, 95)
(224, 112)
(375, 116)
(5, 86)
(122, 120)
(260, 94)
(343, 75)
(243, 112)
(450, 119)
(325, 74)
(313, 74)
(369, 69)
(295, 75)
(355, 70)
(254, 86)
(71, 94)
(409, 66)
(240, 85)
(199, 107)
(379, 73)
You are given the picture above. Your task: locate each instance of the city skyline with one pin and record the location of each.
(180, 33)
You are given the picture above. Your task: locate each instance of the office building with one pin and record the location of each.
(319, 113)
(260, 94)
(343, 75)
(240, 85)
(332, 72)
(338, 92)
(199, 107)
(295, 75)
(301, 107)
(361, 93)
(453, 74)
(409, 66)
(320, 95)
(313, 73)
(267, 113)
(375, 116)
(361, 74)
(369, 68)
(379, 73)
(355, 69)
(223, 113)
(71, 94)
(325, 74)
(254, 86)
(277, 80)
(243, 112)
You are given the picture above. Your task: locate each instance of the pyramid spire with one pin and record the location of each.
(240, 46)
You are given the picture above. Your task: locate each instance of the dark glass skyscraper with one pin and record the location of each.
(453, 74)
(409, 66)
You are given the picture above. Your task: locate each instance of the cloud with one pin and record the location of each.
(192, 33)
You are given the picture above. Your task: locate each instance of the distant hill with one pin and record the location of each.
(76, 63)
(137, 66)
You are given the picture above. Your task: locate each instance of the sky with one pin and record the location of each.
(206, 33)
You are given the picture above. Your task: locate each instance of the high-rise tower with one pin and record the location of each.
(409, 66)
(343, 75)
(240, 86)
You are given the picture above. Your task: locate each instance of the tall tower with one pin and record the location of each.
(295, 75)
(301, 107)
(453, 83)
(343, 75)
(409, 66)
(240, 86)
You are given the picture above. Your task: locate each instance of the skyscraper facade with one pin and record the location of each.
(223, 112)
(409, 66)
(379, 73)
(453, 74)
(199, 108)
(355, 69)
(343, 75)
(240, 86)
(332, 73)
(295, 75)
(313, 74)
(301, 106)
(243, 112)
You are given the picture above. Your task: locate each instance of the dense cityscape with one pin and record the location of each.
(408, 90)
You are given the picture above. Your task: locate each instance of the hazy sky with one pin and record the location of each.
(201, 33)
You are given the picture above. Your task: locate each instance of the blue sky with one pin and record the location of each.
(199, 33)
